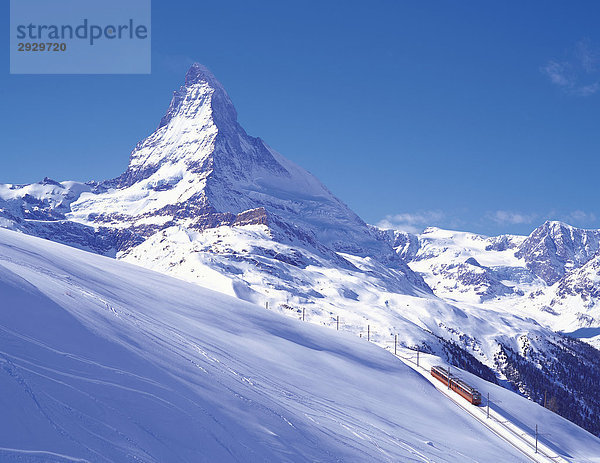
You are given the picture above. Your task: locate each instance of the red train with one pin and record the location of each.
(456, 384)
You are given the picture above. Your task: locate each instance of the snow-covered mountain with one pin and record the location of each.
(205, 202)
(200, 169)
(580, 289)
(40, 209)
(555, 248)
(551, 275)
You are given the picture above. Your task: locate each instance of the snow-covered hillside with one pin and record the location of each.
(105, 361)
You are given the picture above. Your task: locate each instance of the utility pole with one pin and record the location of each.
(338, 323)
(267, 305)
(303, 313)
(488, 406)
(368, 332)
(395, 344)
(536, 437)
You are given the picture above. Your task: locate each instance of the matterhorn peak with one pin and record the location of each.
(201, 90)
(198, 73)
(200, 168)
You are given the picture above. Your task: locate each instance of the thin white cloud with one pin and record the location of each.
(578, 74)
(580, 218)
(576, 218)
(558, 73)
(587, 90)
(587, 56)
(511, 218)
(411, 222)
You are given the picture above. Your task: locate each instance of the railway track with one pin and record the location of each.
(496, 423)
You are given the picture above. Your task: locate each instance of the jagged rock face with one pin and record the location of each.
(556, 248)
(583, 282)
(501, 243)
(405, 244)
(481, 280)
(578, 292)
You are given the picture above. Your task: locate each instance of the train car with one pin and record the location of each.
(456, 384)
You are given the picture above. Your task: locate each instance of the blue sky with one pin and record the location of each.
(467, 115)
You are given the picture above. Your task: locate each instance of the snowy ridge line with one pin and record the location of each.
(497, 423)
(500, 425)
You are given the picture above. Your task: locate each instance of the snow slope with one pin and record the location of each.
(106, 361)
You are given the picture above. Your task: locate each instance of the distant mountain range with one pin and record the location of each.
(551, 275)
(204, 201)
